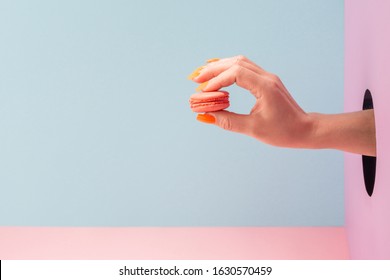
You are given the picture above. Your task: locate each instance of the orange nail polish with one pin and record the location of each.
(206, 118)
(202, 86)
(195, 73)
(212, 60)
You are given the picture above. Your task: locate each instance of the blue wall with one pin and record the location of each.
(95, 127)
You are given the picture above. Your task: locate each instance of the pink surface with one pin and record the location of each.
(172, 243)
(367, 66)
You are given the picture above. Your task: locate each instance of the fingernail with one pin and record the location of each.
(195, 73)
(202, 86)
(212, 60)
(206, 118)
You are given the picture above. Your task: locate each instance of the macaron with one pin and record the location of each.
(209, 101)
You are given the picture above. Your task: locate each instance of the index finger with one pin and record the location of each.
(241, 76)
(214, 69)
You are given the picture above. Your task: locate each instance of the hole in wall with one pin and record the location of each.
(369, 162)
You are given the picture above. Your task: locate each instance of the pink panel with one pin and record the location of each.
(367, 66)
(172, 243)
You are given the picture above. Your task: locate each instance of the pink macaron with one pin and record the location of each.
(209, 101)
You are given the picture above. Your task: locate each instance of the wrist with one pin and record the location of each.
(309, 134)
(318, 134)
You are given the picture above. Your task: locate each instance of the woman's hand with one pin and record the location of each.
(276, 118)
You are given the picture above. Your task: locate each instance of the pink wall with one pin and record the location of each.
(367, 66)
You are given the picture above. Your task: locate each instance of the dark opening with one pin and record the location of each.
(369, 162)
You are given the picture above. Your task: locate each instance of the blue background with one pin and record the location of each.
(96, 130)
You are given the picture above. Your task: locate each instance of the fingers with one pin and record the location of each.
(220, 73)
(216, 67)
(225, 72)
(240, 75)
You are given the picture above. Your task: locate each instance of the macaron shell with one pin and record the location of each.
(206, 95)
(209, 101)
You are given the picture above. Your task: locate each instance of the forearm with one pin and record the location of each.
(350, 132)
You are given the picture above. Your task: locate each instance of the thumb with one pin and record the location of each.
(227, 120)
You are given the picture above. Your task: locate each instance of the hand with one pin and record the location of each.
(275, 118)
